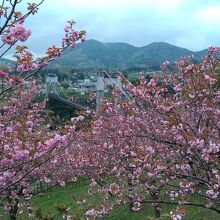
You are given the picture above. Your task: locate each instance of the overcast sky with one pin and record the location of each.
(193, 24)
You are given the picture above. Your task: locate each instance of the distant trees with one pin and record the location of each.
(65, 84)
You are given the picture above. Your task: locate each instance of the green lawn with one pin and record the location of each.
(70, 194)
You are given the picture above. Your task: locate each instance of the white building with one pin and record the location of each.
(51, 79)
(85, 86)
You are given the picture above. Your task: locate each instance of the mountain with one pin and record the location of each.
(5, 62)
(156, 53)
(94, 54)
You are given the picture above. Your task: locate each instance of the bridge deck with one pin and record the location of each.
(53, 96)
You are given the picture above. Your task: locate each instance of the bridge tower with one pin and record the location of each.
(100, 86)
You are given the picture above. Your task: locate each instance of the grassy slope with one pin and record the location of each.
(69, 194)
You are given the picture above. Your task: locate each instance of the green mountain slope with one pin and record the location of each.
(93, 54)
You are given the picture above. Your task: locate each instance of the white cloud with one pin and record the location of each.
(209, 15)
(192, 24)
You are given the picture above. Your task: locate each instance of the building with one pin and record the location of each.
(51, 79)
(85, 86)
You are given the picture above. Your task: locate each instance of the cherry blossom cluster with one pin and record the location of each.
(32, 8)
(25, 60)
(26, 147)
(163, 139)
(31, 152)
(72, 36)
(16, 33)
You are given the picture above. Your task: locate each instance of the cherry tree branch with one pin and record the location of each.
(182, 204)
(9, 17)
